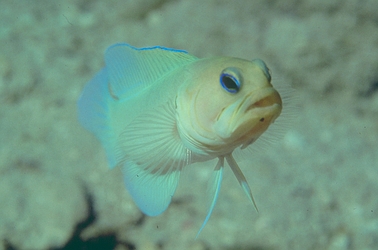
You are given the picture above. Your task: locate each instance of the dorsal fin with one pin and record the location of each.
(131, 69)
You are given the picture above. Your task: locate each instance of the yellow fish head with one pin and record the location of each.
(229, 103)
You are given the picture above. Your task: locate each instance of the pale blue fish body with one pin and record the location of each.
(157, 110)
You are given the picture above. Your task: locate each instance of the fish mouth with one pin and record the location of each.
(259, 99)
(244, 121)
(266, 101)
(259, 110)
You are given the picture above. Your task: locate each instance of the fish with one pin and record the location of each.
(157, 110)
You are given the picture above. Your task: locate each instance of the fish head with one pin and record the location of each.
(227, 103)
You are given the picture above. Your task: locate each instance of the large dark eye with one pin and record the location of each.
(229, 82)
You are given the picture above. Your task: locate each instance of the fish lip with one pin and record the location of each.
(248, 103)
(260, 99)
(241, 122)
(261, 104)
(249, 130)
(256, 111)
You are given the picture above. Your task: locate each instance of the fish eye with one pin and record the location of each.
(229, 81)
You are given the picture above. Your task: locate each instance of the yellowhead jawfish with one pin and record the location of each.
(157, 110)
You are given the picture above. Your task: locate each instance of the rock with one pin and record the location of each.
(39, 210)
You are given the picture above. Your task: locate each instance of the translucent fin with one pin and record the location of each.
(93, 111)
(241, 178)
(153, 143)
(131, 70)
(153, 156)
(213, 188)
(92, 108)
(151, 192)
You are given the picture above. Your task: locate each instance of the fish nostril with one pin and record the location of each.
(262, 119)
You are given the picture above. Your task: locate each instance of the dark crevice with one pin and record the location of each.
(140, 221)
(104, 241)
(371, 90)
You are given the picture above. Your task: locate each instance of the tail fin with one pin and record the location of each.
(93, 111)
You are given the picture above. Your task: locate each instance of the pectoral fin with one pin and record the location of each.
(152, 192)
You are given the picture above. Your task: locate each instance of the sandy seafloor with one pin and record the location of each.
(316, 187)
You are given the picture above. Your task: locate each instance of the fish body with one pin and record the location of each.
(157, 110)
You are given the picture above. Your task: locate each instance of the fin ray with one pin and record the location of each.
(131, 69)
(213, 188)
(153, 143)
(241, 178)
(151, 192)
(93, 110)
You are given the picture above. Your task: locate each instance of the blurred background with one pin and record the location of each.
(316, 187)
